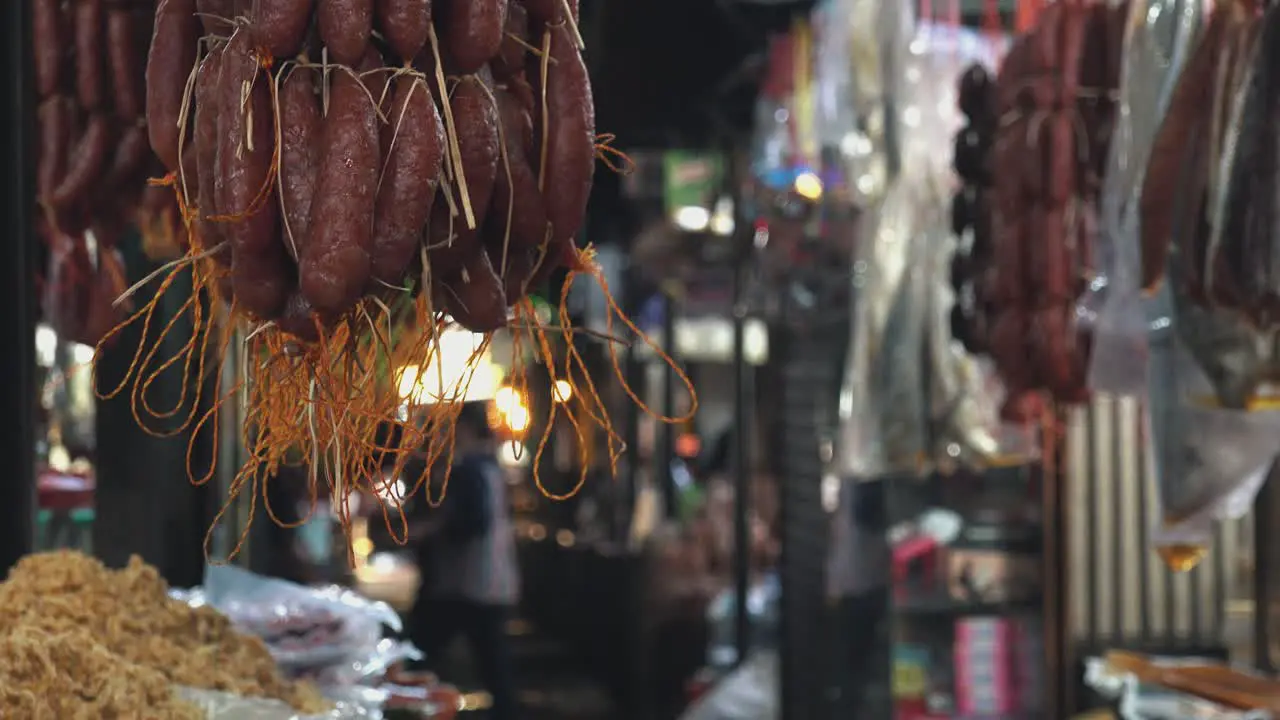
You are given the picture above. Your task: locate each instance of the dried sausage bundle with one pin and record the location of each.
(1055, 100)
(344, 151)
(969, 219)
(360, 176)
(1207, 212)
(92, 161)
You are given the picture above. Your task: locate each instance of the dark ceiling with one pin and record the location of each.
(678, 73)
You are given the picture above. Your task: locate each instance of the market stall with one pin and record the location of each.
(1002, 285)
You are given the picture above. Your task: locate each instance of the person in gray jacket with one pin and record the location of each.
(467, 555)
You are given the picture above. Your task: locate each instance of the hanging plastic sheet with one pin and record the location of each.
(1159, 37)
(911, 395)
(1144, 701)
(1210, 462)
(750, 693)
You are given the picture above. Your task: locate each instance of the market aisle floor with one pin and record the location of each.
(552, 687)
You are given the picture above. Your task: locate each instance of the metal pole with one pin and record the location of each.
(742, 412)
(633, 370)
(18, 321)
(1266, 509)
(667, 432)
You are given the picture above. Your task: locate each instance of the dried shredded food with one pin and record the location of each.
(78, 640)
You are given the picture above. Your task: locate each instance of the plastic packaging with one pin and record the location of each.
(1210, 461)
(303, 627)
(1140, 701)
(751, 691)
(330, 636)
(1158, 39)
(225, 706)
(897, 414)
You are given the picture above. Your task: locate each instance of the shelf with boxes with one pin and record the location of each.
(966, 568)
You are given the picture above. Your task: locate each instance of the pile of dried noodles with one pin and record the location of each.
(80, 641)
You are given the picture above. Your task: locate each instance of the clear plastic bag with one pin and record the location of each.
(883, 425)
(1139, 701)
(897, 414)
(304, 628)
(226, 706)
(1210, 461)
(1158, 39)
(749, 693)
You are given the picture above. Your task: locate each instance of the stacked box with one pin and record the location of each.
(1030, 649)
(986, 667)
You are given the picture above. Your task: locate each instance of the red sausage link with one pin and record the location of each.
(549, 12)
(301, 127)
(570, 139)
(1180, 133)
(122, 57)
(471, 32)
(89, 52)
(260, 270)
(405, 24)
(345, 27)
(206, 145)
(1075, 19)
(89, 162)
(1050, 257)
(473, 295)
(516, 273)
(130, 157)
(280, 26)
(49, 44)
(372, 69)
(413, 148)
(509, 62)
(335, 263)
(299, 319)
(55, 137)
(216, 16)
(1060, 181)
(517, 202)
(476, 121)
(174, 48)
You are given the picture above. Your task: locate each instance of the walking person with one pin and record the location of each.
(467, 556)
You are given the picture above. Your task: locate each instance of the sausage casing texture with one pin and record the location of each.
(473, 295)
(1174, 142)
(335, 264)
(549, 12)
(260, 272)
(122, 58)
(50, 58)
(517, 202)
(299, 319)
(516, 269)
(405, 24)
(175, 42)
(413, 149)
(570, 138)
(88, 163)
(89, 24)
(301, 128)
(345, 27)
(509, 62)
(476, 120)
(471, 32)
(55, 136)
(280, 26)
(206, 148)
(215, 15)
(130, 156)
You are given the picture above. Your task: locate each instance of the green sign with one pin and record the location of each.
(691, 179)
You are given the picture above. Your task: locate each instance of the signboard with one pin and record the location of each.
(691, 180)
